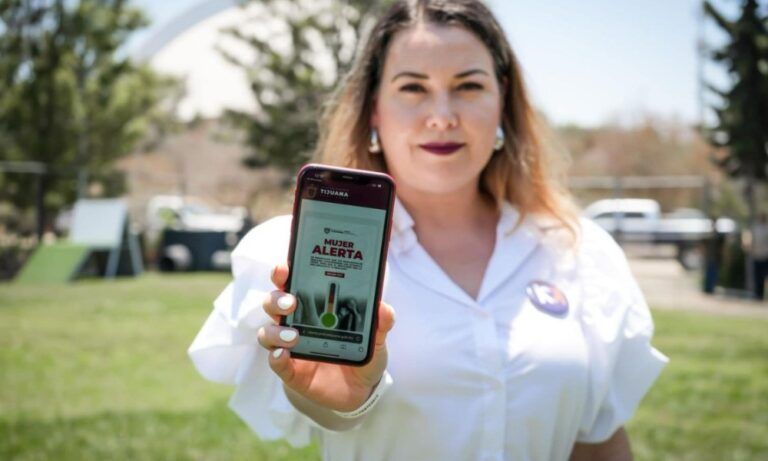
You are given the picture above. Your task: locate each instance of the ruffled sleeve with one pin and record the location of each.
(618, 328)
(226, 350)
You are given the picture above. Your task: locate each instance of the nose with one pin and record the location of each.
(442, 115)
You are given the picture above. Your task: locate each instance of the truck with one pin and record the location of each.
(639, 220)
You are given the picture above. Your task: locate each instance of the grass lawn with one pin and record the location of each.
(98, 370)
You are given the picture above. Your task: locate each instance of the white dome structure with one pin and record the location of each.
(187, 48)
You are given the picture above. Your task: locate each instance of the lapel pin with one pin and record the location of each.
(547, 298)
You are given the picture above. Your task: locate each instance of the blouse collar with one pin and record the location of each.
(403, 234)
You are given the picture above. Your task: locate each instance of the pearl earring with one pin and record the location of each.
(499, 139)
(374, 147)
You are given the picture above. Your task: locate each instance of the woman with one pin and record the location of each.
(520, 332)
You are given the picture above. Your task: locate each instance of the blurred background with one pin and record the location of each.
(140, 140)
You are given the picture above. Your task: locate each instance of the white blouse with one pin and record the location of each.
(554, 350)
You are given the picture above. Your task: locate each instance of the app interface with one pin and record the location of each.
(335, 264)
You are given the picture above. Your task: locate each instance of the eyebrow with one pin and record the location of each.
(417, 75)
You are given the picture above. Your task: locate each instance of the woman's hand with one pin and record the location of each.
(335, 387)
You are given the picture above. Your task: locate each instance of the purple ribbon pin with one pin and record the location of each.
(547, 297)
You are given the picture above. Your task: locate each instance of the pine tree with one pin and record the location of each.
(742, 125)
(299, 51)
(70, 99)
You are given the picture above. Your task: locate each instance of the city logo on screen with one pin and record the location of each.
(311, 191)
(329, 230)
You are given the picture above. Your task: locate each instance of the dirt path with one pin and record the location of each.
(667, 286)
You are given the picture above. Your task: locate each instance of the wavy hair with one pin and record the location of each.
(521, 172)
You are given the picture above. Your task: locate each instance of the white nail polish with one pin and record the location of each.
(288, 335)
(277, 353)
(285, 302)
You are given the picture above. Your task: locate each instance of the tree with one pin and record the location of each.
(742, 116)
(69, 97)
(297, 51)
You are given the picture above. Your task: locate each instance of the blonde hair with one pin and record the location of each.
(521, 172)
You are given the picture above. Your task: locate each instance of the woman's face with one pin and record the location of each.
(437, 109)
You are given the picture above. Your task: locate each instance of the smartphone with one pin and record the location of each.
(339, 236)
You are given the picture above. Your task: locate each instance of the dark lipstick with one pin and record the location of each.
(442, 148)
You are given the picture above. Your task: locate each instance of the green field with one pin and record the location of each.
(98, 370)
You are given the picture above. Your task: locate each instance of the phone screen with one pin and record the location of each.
(337, 259)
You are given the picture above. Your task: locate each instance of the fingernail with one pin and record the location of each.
(277, 353)
(288, 335)
(285, 302)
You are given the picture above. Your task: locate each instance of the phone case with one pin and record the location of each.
(329, 319)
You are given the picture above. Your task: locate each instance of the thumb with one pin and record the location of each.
(279, 275)
(386, 322)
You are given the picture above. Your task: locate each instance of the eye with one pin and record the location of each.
(470, 86)
(412, 88)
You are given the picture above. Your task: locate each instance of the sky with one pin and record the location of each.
(591, 61)
(586, 62)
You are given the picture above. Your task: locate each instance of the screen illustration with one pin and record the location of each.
(334, 276)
